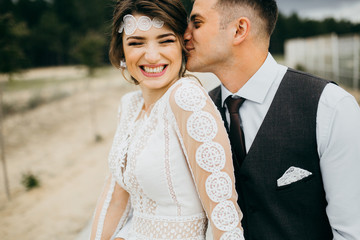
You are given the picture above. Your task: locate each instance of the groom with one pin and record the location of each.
(298, 175)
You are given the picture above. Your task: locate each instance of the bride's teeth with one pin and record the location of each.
(154, 70)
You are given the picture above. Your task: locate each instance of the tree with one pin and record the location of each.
(46, 43)
(188, 5)
(2, 145)
(30, 11)
(6, 6)
(12, 57)
(90, 50)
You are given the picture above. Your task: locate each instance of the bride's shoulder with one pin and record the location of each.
(186, 83)
(191, 80)
(188, 94)
(130, 101)
(131, 97)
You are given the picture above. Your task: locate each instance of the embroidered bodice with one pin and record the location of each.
(173, 167)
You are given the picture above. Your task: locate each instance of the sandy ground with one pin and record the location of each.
(56, 143)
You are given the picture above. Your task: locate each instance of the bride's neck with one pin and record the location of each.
(151, 96)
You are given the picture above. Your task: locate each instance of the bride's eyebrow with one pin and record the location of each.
(165, 35)
(135, 37)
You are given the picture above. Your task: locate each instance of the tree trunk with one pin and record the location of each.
(2, 145)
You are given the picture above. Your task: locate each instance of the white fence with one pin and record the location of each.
(332, 57)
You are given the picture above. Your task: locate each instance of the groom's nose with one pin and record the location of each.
(188, 33)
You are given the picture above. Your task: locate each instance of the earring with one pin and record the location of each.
(123, 63)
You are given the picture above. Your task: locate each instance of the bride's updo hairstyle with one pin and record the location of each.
(171, 12)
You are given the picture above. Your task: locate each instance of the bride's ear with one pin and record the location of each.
(242, 28)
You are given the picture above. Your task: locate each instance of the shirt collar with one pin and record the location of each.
(257, 87)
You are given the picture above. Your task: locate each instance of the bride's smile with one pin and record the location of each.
(153, 70)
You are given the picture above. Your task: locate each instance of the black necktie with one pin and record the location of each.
(236, 134)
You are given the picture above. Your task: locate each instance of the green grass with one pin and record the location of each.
(36, 87)
(19, 83)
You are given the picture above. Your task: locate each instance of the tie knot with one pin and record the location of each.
(233, 104)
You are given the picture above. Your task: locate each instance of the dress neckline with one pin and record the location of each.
(142, 114)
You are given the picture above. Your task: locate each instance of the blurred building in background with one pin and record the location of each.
(334, 57)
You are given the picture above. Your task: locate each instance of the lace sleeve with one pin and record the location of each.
(111, 211)
(209, 156)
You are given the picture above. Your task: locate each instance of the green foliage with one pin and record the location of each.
(35, 101)
(300, 67)
(30, 181)
(98, 138)
(89, 51)
(188, 5)
(12, 55)
(37, 97)
(50, 32)
(293, 26)
(54, 28)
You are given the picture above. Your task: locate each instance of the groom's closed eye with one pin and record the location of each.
(195, 20)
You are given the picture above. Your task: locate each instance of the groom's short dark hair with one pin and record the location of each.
(267, 10)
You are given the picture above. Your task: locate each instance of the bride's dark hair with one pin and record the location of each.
(172, 12)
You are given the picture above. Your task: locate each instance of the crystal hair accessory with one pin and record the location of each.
(144, 23)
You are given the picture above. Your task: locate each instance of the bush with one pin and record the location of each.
(35, 101)
(8, 109)
(300, 67)
(30, 181)
(98, 138)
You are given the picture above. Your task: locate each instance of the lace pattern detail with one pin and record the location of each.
(201, 126)
(139, 199)
(293, 174)
(190, 98)
(225, 216)
(210, 156)
(219, 186)
(144, 23)
(235, 234)
(120, 145)
(167, 163)
(142, 131)
(150, 227)
(122, 150)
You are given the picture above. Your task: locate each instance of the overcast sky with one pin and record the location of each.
(319, 9)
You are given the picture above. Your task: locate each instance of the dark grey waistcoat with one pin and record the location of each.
(287, 137)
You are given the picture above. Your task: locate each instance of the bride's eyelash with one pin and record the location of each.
(161, 42)
(168, 41)
(134, 43)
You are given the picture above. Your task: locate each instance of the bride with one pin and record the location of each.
(170, 161)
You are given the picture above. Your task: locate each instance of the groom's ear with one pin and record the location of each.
(242, 28)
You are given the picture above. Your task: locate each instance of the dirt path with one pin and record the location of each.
(56, 143)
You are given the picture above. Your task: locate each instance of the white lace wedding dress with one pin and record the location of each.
(173, 168)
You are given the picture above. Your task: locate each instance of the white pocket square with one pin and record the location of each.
(293, 174)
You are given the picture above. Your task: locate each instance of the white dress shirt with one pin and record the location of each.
(337, 135)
